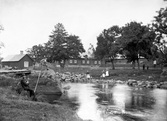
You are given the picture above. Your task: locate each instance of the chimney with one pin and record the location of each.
(21, 52)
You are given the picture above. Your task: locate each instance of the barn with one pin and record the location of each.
(19, 61)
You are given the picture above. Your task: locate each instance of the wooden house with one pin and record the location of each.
(19, 61)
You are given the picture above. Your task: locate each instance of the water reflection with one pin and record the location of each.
(119, 102)
(121, 96)
(160, 108)
(87, 100)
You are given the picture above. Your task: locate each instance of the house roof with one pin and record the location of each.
(13, 58)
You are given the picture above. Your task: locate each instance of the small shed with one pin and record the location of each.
(19, 61)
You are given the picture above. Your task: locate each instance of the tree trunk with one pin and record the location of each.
(138, 64)
(113, 67)
(133, 64)
(61, 64)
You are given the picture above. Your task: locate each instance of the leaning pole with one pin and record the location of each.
(42, 62)
(38, 80)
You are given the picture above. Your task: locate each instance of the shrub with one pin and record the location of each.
(7, 81)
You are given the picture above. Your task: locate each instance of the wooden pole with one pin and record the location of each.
(38, 80)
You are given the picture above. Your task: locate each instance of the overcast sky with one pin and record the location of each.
(30, 22)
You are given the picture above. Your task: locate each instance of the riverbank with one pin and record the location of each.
(150, 78)
(14, 107)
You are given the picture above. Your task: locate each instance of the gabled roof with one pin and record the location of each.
(13, 58)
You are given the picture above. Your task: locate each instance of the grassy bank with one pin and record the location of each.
(14, 107)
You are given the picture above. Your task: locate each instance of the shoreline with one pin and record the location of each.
(15, 107)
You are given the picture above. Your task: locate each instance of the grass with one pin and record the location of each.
(14, 107)
(96, 72)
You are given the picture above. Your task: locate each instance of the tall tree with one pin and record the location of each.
(107, 48)
(57, 44)
(147, 47)
(74, 47)
(160, 21)
(37, 52)
(61, 46)
(160, 26)
(136, 40)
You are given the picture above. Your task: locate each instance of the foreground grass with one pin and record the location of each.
(14, 108)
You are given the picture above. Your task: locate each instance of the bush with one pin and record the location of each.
(7, 81)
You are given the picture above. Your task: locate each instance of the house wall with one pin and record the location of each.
(96, 62)
(19, 64)
(25, 58)
(10, 64)
(85, 62)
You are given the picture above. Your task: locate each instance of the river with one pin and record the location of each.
(103, 102)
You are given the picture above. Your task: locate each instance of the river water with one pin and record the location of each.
(103, 102)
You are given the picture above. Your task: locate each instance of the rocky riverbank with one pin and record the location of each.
(14, 107)
(147, 84)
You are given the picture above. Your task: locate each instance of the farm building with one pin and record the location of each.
(19, 61)
(101, 63)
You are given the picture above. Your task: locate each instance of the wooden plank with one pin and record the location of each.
(15, 71)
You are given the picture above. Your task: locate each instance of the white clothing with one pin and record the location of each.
(155, 62)
(103, 75)
(88, 76)
(107, 73)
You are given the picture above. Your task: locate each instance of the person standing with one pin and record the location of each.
(103, 74)
(154, 63)
(107, 72)
(88, 75)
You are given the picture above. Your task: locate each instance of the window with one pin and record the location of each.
(26, 64)
(88, 61)
(75, 61)
(83, 61)
(95, 62)
(99, 62)
(70, 61)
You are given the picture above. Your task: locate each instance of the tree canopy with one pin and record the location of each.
(60, 47)
(132, 40)
(37, 52)
(107, 48)
(137, 39)
(159, 25)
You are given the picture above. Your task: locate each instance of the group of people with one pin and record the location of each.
(147, 64)
(105, 73)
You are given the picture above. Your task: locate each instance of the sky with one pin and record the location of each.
(30, 22)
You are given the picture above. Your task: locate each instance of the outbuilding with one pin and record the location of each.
(19, 61)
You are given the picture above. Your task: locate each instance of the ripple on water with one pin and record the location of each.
(118, 103)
